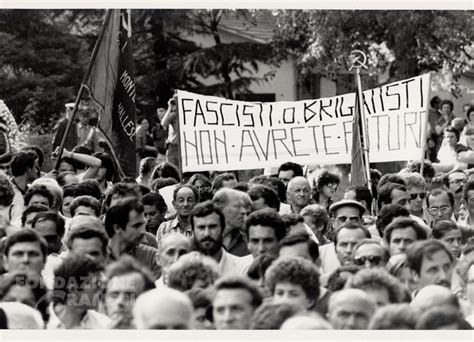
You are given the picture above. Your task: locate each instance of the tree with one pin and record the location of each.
(407, 43)
(41, 65)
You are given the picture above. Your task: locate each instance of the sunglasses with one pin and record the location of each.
(422, 196)
(372, 259)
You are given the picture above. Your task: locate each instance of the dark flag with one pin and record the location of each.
(111, 85)
(358, 168)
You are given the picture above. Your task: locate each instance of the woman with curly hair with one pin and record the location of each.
(192, 270)
(9, 212)
(324, 188)
(295, 281)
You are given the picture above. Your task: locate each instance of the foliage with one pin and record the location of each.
(406, 43)
(41, 65)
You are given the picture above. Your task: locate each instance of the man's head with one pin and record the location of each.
(345, 211)
(24, 250)
(25, 163)
(163, 308)
(454, 182)
(293, 280)
(440, 205)
(451, 136)
(289, 170)
(125, 223)
(361, 194)
(185, 197)
(232, 205)
(263, 196)
(350, 309)
(345, 239)
(153, 205)
(370, 253)
(393, 193)
(77, 283)
(224, 180)
(202, 303)
(126, 280)
(299, 245)
(448, 232)
(39, 195)
(401, 233)
(29, 214)
(468, 196)
(432, 296)
(207, 222)
(85, 205)
(416, 186)
(383, 288)
(173, 246)
(265, 229)
(298, 193)
(234, 302)
(394, 316)
(316, 217)
(431, 263)
(50, 226)
(88, 241)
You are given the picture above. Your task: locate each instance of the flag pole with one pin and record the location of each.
(424, 133)
(81, 89)
(358, 60)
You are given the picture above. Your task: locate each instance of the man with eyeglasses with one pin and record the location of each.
(454, 182)
(370, 253)
(344, 213)
(440, 205)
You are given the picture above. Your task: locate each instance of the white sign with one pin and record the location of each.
(220, 134)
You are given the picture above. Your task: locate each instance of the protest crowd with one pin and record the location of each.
(296, 248)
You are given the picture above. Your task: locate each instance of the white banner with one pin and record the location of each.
(220, 134)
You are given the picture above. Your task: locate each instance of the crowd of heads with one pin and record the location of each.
(292, 250)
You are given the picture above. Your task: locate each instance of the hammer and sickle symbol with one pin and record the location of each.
(358, 59)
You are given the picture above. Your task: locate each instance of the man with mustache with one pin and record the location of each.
(454, 182)
(431, 263)
(208, 224)
(125, 226)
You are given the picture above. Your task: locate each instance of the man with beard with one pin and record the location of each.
(431, 263)
(454, 182)
(298, 194)
(125, 226)
(208, 224)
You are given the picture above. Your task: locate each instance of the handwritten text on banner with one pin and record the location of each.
(220, 134)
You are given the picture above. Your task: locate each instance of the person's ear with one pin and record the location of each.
(5, 263)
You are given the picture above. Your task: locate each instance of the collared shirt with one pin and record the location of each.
(233, 265)
(91, 320)
(234, 244)
(328, 256)
(172, 226)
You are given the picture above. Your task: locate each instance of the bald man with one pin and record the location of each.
(298, 193)
(351, 309)
(434, 295)
(172, 246)
(163, 308)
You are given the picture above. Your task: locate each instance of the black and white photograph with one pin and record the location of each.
(236, 169)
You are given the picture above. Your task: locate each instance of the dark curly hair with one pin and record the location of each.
(294, 270)
(6, 190)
